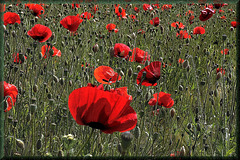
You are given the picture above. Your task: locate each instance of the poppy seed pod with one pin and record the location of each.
(130, 72)
(20, 144)
(33, 108)
(172, 112)
(126, 138)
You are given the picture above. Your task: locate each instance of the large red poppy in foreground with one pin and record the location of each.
(139, 56)
(152, 74)
(11, 18)
(71, 23)
(121, 50)
(206, 14)
(40, 32)
(164, 99)
(106, 75)
(45, 51)
(12, 91)
(109, 112)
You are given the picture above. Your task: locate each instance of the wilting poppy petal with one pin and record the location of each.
(206, 14)
(164, 99)
(40, 32)
(198, 30)
(139, 56)
(155, 21)
(17, 59)
(12, 91)
(11, 18)
(36, 9)
(121, 50)
(152, 74)
(45, 51)
(71, 23)
(106, 75)
(109, 112)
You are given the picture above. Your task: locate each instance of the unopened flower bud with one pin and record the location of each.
(155, 136)
(95, 48)
(20, 144)
(185, 64)
(33, 108)
(126, 138)
(172, 112)
(136, 132)
(182, 151)
(111, 51)
(39, 144)
(130, 72)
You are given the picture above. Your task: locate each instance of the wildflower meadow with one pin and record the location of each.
(96, 80)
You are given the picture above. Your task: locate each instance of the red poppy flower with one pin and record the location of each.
(109, 112)
(17, 59)
(225, 51)
(122, 91)
(166, 7)
(156, 6)
(180, 60)
(183, 34)
(155, 21)
(36, 9)
(206, 14)
(223, 17)
(11, 18)
(209, 6)
(133, 17)
(110, 27)
(71, 23)
(95, 9)
(2, 7)
(12, 91)
(75, 5)
(136, 9)
(234, 24)
(191, 19)
(198, 30)
(141, 31)
(46, 49)
(139, 56)
(106, 75)
(40, 32)
(147, 7)
(221, 11)
(222, 70)
(180, 25)
(152, 74)
(121, 50)
(164, 99)
(86, 15)
(120, 14)
(189, 12)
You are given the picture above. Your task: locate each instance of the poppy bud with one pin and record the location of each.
(180, 87)
(20, 144)
(198, 127)
(182, 151)
(61, 80)
(172, 112)
(219, 75)
(189, 126)
(130, 72)
(34, 100)
(15, 69)
(51, 102)
(33, 108)
(224, 37)
(39, 144)
(10, 119)
(155, 136)
(136, 132)
(28, 117)
(126, 138)
(35, 88)
(231, 28)
(206, 147)
(95, 48)
(202, 83)
(141, 113)
(111, 51)
(185, 64)
(139, 68)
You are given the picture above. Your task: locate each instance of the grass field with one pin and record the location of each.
(200, 123)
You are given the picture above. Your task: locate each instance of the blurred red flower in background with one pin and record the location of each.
(121, 50)
(111, 27)
(206, 14)
(155, 21)
(225, 51)
(139, 56)
(179, 24)
(198, 30)
(11, 18)
(183, 34)
(222, 70)
(163, 99)
(86, 15)
(234, 24)
(147, 7)
(166, 7)
(47, 53)
(17, 59)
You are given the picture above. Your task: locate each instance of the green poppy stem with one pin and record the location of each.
(80, 151)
